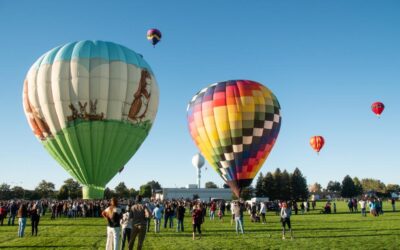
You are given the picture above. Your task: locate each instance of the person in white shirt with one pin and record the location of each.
(363, 205)
(263, 211)
(126, 226)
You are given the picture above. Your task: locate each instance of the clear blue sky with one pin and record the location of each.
(326, 61)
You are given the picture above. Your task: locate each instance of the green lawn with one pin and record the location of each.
(312, 231)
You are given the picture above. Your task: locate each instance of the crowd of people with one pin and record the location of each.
(129, 220)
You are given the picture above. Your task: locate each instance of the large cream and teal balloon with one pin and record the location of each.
(91, 104)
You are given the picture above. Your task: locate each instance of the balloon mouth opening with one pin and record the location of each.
(92, 192)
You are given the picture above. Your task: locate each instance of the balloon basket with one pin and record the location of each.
(92, 192)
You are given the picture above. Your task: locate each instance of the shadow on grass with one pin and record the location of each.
(47, 246)
(343, 236)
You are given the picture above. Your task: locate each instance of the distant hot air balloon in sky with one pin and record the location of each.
(91, 104)
(154, 36)
(317, 142)
(235, 125)
(377, 108)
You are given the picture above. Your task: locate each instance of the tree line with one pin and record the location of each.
(72, 189)
(353, 187)
(282, 185)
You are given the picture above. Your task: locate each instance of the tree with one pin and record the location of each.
(334, 186)
(145, 191)
(154, 185)
(5, 191)
(315, 188)
(18, 192)
(133, 193)
(358, 186)
(373, 185)
(225, 185)
(70, 190)
(348, 187)
(247, 193)
(121, 191)
(277, 184)
(210, 184)
(268, 186)
(298, 185)
(259, 186)
(392, 188)
(285, 185)
(108, 193)
(45, 189)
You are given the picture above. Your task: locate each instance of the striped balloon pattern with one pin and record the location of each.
(91, 104)
(235, 125)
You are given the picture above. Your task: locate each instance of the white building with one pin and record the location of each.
(204, 194)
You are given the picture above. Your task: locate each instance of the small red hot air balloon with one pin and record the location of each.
(377, 108)
(317, 142)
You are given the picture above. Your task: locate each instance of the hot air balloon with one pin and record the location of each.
(377, 108)
(154, 36)
(91, 104)
(235, 125)
(317, 142)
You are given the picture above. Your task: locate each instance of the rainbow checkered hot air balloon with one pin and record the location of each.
(235, 125)
(154, 36)
(91, 104)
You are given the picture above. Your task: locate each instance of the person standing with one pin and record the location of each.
(263, 211)
(363, 206)
(13, 213)
(238, 222)
(126, 225)
(286, 212)
(180, 215)
(113, 215)
(157, 218)
(393, 204)
(22, 215)
(138, 214)
(213, 207)
(35, 218)
(3, 213)
(197, 220)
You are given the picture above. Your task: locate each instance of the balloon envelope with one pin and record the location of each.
(91, 104)
(235, 125)
(377, 108)
(317, 142)
(154, 36)
(198, 160)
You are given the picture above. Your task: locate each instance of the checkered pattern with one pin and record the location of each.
(235, 125)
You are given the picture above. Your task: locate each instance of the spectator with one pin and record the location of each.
(197, 220)
(138, 213)
(126, 225)
(286, 212)
(180, 215)
(113, 215)
(22, 215)
(13, 213)
(157, 218)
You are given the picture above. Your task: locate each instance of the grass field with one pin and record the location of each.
(312, 231)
